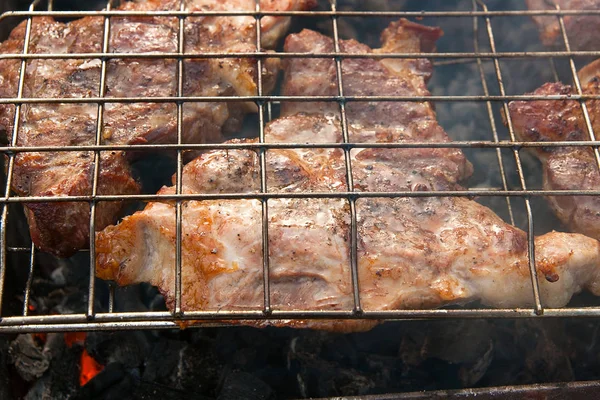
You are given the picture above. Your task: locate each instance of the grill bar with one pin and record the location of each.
(477, 144)
(27, 292)
(97, 161)
(262, 55)
(263, 171)
(347, 161)
(313, 195)
(263, 99)
(519, 165)
(164, 319)
(310, 14)
(179, 174)
(491, 117)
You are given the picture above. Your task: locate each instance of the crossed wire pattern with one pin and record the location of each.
(481, 18)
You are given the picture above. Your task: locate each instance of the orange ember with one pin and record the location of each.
(89, 368)
(72, 338)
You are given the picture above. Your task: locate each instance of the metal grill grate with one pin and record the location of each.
(93, 320)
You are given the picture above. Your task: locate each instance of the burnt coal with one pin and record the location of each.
(30, 359)
(113, 382)
(245, 386)
(5, 378)
(240, 362)
(127, 348)
(61, 378)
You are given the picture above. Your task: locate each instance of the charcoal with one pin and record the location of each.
(548, 360)
(244, 386)
(385, 372)
(163, 360)
(470, 373)
(28, 357)
(452, 341)
(318, 377)
(129, 298)
(127, 348)
(152, 391)
(5, 378)
(61, 379)
(152, 297)
(382, 340)
(340, 349)
(199, 370)
(583, 347)
(108, 383)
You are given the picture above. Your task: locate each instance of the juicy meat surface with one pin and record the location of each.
(413, 252)
(582, 30)
(565, 168)
(61, 228)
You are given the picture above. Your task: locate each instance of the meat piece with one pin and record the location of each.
(61, 229)
(582, 30)
(413, 252)
(565, 168)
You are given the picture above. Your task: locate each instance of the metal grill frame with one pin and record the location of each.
(93, 320)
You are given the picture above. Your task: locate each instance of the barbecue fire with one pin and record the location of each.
(89, 368)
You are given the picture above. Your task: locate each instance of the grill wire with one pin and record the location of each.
(94, 320)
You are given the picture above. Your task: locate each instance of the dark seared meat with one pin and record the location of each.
(412, 252)
(565, 168)
(583, 31)
(62, 229)
(383, 122)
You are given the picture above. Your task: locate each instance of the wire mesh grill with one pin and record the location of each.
(481, 18)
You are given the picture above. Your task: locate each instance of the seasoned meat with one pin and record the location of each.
(582, 30)
(413, 252)
(62, 228)
(565, 168)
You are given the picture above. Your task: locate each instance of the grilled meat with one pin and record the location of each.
(413, 252)
(62, 228)
(565, 168)
(582, 30)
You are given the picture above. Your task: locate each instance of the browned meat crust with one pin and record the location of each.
(412, 252)
(583, 31)
(565, 168)
(62, 229)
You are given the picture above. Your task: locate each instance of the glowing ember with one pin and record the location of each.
(72, 338)
(89, 368)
